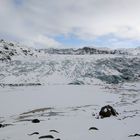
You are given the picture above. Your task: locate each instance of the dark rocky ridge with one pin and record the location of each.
(83, 51)
(90, 50)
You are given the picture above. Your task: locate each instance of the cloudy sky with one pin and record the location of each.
(71, 23)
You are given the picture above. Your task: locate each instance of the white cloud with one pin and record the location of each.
(43, 41)
(86, 19)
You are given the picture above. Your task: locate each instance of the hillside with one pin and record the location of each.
(11, 50)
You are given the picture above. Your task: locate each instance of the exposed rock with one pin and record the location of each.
(35, 133)
(11, 53)
(35, 121)
(46, 136)
(1, 40)
(93, 128)
(11, 44)
(54, 131)
(82, 51)
(107, 111)
(134, 135)
(77, 83)
(22, 84)
(1, 125)
(8, 50)
(4, 125)
(6, 47)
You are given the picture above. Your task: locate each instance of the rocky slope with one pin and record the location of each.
(10, 50)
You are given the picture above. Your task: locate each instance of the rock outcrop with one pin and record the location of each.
(107, 111)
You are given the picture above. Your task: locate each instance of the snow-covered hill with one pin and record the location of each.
(11, 50)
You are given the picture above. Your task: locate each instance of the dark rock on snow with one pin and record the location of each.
(1, 125)
(35, 121)
(93, 128)
(46, 136)
(54, 131)
(35, 133)
(134, 135)
(107, 111)
(4, 125)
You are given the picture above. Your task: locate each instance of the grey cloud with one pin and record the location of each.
(86, 19)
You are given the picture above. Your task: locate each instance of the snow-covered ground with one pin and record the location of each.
(71, 110)
(66, 93)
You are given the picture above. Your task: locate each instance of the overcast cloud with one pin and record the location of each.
(39, 22)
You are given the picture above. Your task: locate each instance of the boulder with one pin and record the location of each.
(46, 136)
(35, 121)
(107, 111)
(1, 126)
(93, 128)
(35, 133)
(134, 135)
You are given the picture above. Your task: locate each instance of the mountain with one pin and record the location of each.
(26, 66)
(10, 50)
(90, 51)
(80, 51)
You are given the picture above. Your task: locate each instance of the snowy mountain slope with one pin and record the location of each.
(10, 50)
(26, 66)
